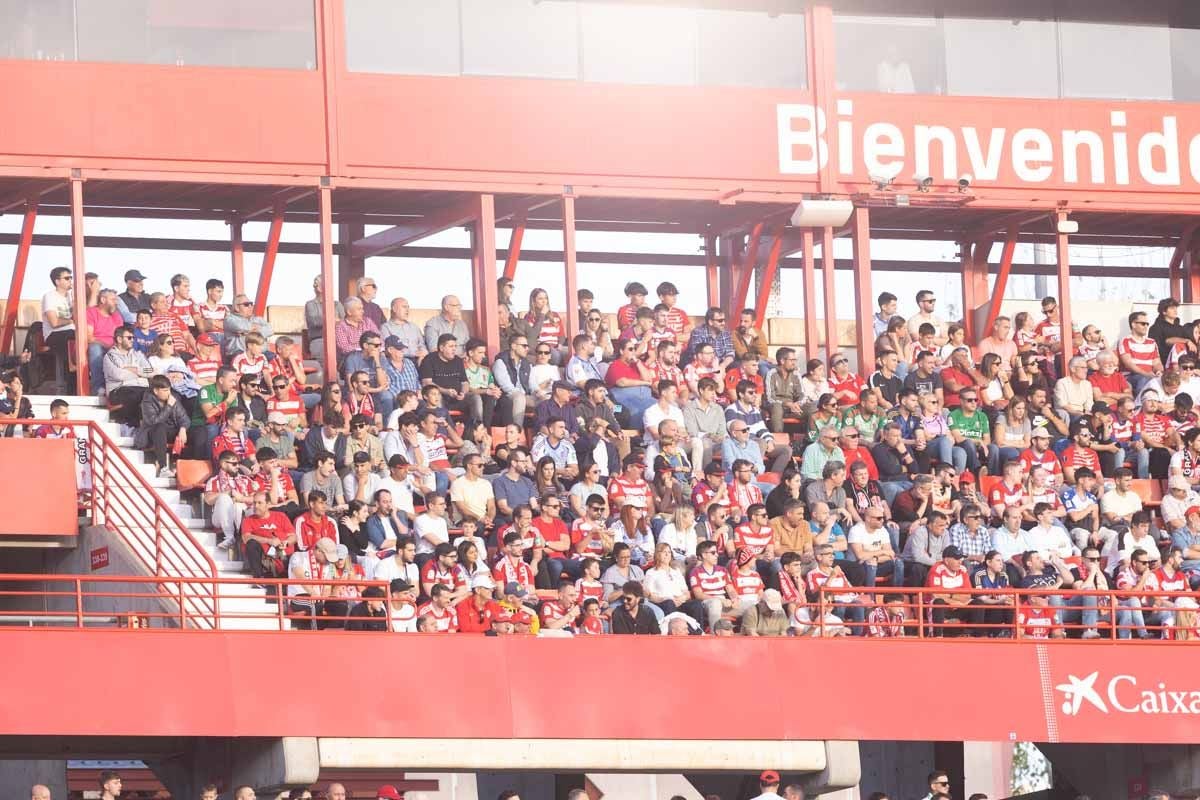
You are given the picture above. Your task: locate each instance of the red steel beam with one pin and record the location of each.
(828, 268)
(328, 285)
(452, 216)
(1006, 260)
(483, 266)
(768, 277)
(746, 271)
(1064, 291)
(865, 336)
(1175, 271)
(80, 287)
(570, 268)
(237, 251)
(518, 236)
(268, 262)
(810, 295)
(12, 306)
(974, 282)
(712, 279)
(269, 202)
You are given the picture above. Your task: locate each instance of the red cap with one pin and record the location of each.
(389, 792)
(1192, 510)
(768, 777)
(206, 339)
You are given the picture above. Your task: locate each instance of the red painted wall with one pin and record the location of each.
(162, 117)
(763, 688)
(37, 487)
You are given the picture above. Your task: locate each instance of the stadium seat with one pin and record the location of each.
(192, 474)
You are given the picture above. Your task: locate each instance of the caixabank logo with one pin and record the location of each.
(1121, 694)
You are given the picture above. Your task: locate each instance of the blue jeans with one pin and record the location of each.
(942, 448)
(895, 568)
(1131, 614)
(1085, 611)
(95, 359)
(968, 449)
(636, 399)
(1006, 454)
(892, 489)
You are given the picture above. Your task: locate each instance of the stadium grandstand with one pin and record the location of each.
(259, 537)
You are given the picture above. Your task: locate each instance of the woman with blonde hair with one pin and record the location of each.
(547, 325)
(664, 584)
(680, 536)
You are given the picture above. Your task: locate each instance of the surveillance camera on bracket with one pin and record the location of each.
(923, 182)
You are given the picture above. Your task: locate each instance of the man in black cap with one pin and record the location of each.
(371, 614)
(134, 297)
(949, 574)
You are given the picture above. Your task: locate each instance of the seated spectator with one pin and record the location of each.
(512, 370)
(622, 571)
(1136, 578)
(784, 390)
(207, 361)
(766, 617)
(103, 319)
(163, 424)
(276, 482)
(443, 568)
(705, 365)
(543, 374)
(830, 488)
(361, 482)
(323, 477)
(472, 495)
(330, 438)
(924, 547)
(591, 537)
(349, 331)
(164, 361)
(249, 398)
(557, 406)
(315, 523)
(482, 390)
(58, 321)
(629, 383)
(363, 440)
(125, 377)
(746, 409)
(632, 616)
(630, 487)
(871, 546)
(164, 322)
(234, 435)
(446, 370)
(269, 546)
(440, 612)
(1073, 394)
(432, 446)
(845, 385)
(230, 493)
(408, 334)
(431, 527)
(512, 570)
(585, 364)
(949, 606)
(556, 445)
(972, 435)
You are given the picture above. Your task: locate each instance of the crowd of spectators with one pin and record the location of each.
(666, 475)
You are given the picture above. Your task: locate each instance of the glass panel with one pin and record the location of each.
(1115, 61)
(1185, 64)
(405, 37)
(752, 48)
(520, 37)
(1033, 74)
(896, 55)
(37, 30)
(638, 44)
(226, 33)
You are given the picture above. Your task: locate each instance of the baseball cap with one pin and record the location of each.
(206, 339)
(397, 460)
(631, 459)
(342, 552)
(134, 275)
(1178, 482)
(773, 599)
(514, 588)
(400, 585)
(714, 468)
(362, 457)
(327, 547)
(388, 792)
(769, 776)
(482, 582)
(1040, 432)
(394, 341)
(1101, 408)
(951, 551)
(277, 418)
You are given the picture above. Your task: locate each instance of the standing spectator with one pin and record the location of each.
(367, 290)
(677, 319)
(241, 321)
(926, 303)
(1168, 333)
(314, 317)
(163, 424)
(212, 311)
(547, 325)
(449, 321)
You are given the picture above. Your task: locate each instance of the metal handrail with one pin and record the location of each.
(122, 500)
(917, 605)
(67, 606)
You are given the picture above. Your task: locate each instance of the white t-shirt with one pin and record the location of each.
(472, 494)
(1004, 543)
(53, 301)
(433, 527)
(655, 414)
(404, 619)
(350, 486)
(388, 570)
(1050, 540)
(302, 564)
(803, 624)
(402, 493)
(871, 540)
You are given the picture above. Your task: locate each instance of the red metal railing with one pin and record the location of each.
(131, 601)
(120, 498)
(928, 613)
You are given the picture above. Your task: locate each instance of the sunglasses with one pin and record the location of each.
(543, 352)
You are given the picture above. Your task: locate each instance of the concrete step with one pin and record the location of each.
(77, 412)
(83, 401)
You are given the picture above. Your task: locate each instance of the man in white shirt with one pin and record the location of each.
(399, 483)
(667, 407)
(768, 782)
(1180, 497)
(58, 324)
(431, 528)
(1047, 538)
(401, 565)
(871, 544)
(472, 494)
(1137, 537)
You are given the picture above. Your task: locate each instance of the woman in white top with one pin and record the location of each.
(813, 384)
(543, 373)
(164, 362)
(633, 529)
(469, 560)
(680, 536)
(664, 584)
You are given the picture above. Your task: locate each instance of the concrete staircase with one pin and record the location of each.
(235, 599)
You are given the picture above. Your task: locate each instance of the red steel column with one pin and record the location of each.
(569, 265)
(1006, 259)
(80, 286)
(483, 269)
(328, 282)
(827, 276)
(237, 253)
(1064, 291)
(810, 295)
(822, 67)
(18, 275)
(268, 262)
(768, 276)
(518, 236)
(865, 339)
(746, 272)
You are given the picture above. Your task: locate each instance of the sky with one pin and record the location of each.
(411, 277)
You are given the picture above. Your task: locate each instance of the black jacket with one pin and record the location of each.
(645, 622)
(361, 619)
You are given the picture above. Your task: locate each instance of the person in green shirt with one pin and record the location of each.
(972, 433)
(482, 391)
(209, 415)
(867, 416)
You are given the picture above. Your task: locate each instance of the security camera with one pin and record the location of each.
(923, 182)
(964, 182)
(882, 182)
